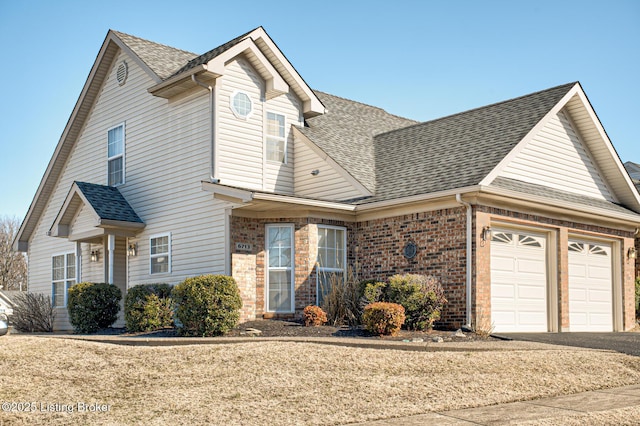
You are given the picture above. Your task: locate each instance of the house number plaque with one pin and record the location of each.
(244, 247)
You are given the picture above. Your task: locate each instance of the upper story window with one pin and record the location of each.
(276, 143)
(241, 104)
(115, 161)
(160, 254)
(63, 276)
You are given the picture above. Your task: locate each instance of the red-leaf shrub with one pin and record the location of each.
(383, 318)
(314, 316)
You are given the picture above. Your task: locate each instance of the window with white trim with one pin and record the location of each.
(332, 258)
(276, 143)
(279, 253)
(115, 154)
(63, 276)
(241, 104)
(160, 254)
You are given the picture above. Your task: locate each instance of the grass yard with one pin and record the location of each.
(281, 383)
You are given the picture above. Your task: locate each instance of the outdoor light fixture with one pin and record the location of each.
(486, 233)
(631, 253)
(95, 255)
(132, 250)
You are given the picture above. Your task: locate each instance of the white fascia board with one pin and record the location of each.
(312, 106)
(275, 84)
(60, 228)
(612, 155)
(532, 133)
(287, 199)
(324, 156)
(417, 198)
(576, 208)
(77, 118)
(243, 195)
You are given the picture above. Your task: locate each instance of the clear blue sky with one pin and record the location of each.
(418, 59)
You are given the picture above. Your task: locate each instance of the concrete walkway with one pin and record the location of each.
(518, 412)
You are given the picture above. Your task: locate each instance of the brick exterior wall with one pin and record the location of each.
(441, 240)
(243, 267)
(375, 251)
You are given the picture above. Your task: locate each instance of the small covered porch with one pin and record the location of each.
(100, 221)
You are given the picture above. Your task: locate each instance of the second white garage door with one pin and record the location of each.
(590, 286)
(518, 281)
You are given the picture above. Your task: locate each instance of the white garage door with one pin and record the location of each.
(518, 281)
(590, 286)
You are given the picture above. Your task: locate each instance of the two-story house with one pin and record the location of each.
(174, 164)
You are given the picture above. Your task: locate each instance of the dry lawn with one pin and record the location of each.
(281, 383)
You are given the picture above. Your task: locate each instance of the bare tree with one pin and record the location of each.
(13, 265)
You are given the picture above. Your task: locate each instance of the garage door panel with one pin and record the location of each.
(590, 286)
(518, 282)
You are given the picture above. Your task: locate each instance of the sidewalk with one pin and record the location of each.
(518, 412)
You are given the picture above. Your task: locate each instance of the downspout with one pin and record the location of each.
(212, 126)
(469, 254)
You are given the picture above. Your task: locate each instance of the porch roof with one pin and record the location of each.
(91, 210)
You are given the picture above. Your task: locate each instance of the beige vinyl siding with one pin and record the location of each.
(166, 158)
(557, 158)
(240, 147)
(327, 185)
(84, 221)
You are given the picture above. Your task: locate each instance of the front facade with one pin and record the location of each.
(175, 165)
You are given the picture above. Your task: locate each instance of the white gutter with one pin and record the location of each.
(469, 254)
(212, 126)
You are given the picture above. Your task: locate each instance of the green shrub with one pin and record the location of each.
(314, 316)
(383, 318)
(421, 296)
(373, 291)
(341, 300)
(93, 306)
(148, 307)
(208, 305)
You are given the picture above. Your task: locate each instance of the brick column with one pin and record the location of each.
(481, 298)
(243, 267)
(563, 278)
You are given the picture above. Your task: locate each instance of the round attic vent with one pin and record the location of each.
(122, 73)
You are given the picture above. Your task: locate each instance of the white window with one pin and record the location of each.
(115, 161)
(280, 253)
(276, 144)
(63, 276)
(160, 254)
(332, 258)
(241, 104)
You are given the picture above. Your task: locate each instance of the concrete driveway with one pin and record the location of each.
(627, 343)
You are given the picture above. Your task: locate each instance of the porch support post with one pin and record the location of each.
(111, 246)
(78, 262)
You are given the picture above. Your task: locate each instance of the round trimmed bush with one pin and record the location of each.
(93, 306)
(148, 307)
(422, 297)
(383, 318)
(314, 316)
(208, 305)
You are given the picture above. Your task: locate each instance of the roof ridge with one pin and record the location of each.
(366, 105)
(209, 54)
(446, 117)
(120, 33)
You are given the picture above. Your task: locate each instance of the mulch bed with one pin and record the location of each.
(291, 328)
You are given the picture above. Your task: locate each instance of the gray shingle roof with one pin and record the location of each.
(554, 194)
(345, 132)
(108, 202)
(206, 57)
(458, 150)
(161, 59)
